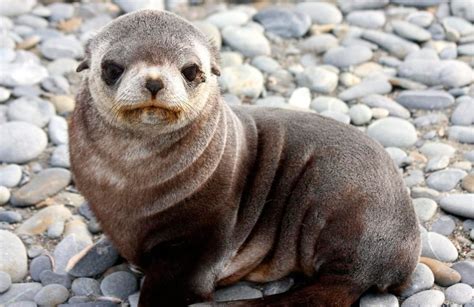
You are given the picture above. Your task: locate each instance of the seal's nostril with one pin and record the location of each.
(154, 85)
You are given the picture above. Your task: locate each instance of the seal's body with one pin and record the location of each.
(200, 195)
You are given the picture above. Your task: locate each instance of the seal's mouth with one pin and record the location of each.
(150, 110)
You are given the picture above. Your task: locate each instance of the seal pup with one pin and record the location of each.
(198, 194)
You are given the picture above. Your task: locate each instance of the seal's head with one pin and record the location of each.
(150, 70)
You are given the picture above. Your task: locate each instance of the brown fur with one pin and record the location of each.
(247, 194)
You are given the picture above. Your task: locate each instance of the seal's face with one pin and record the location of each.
(150, 70)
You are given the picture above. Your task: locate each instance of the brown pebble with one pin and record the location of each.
(29, 42)
(444, 275)
(468, 183)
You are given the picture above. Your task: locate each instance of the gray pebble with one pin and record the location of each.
(321, 12)
(62, 47)
(466, 269)
(410, 31)
(13, 258)
(284, 22)
(459, 204)
(5, 282)
(56, 84)
(421, 18)
(366, 19)
(60, 157)
(366, 88)
(425, 208)
(61, 11)
(278, 286)
(10, 217)
(421, 279)
(20, 292)
(265, 63)
(319, 43)
(430, 298)
(378, 300)
(394, 108)
(444, 225)
(433, 149)
(438, 247)
(4, 195)
(459, 293)
(55, 230)
(21, 142)
(445, 180)
(228, 18)
(52, 295)
(10, 175)
(48, 277)
(347, 56)
(32, 110)
(393, 132)
(397, 46)
(119, 284)
(65, 250)
(426, 100)
(340, 117)
(318, 79)
(398, 156)
(354, 5)
(86, 286)
(38, 265)
(58, 130)
(461, 134)
(360, 114)
(437, 163)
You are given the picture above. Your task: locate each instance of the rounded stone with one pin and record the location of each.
(244, 80)
(5, 281)
(228, 18)
(13, 259)
(86, 287)
(4, 195)
(444, 275)
(410, 31)
(367, 87)
(38, 265)
(459, 204)
(318, 79)
(321, 13)
(58, 130)
(300, 98)
(445, 180)
(426, 100)
(319, 43)
(459, 293)
(444, 226)
(425, 208)
(360, 114)
(378, 300)
(421, 279)
(62, 47)
(51, 295)
(249, 42)
(425, 298)
(393, 132)
(466, 269)
(32, 110)
(347, 56)
(10, 175)
(21, 142)
(237, 292)
(369, 19)
(433, 149)
(438, 247)
(284, 22)
(119, 284)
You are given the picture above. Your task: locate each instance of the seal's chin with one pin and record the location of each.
(150, 112)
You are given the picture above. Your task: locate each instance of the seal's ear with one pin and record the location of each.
(86, 62)
(215, 69)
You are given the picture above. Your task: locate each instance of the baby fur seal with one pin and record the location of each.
(198, 194)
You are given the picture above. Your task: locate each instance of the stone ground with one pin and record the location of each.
(399, 70)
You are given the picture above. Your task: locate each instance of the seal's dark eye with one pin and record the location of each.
(190, 72)
(111, 72)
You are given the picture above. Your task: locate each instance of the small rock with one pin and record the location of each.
(318, 79)
(321, 13)
(437, 163)
(425, 298)
(244, 80)
(354, 5)
(421, 18)
(438, 247)
(63, 104)
(4, 195)
(20, 292)
(38, 265)
(32, 110)
(463, 9)
(425, 208)
(247, 41)
(393, 132)
(444, 275)
(86, 286)
(398, 156)
(392, 43)
(318, 43)
(77, 227)
(360, 114)
(394, 109)
(463, 114)
(466, 269)
(366, 88)
(119, 284)
(130, 6)
(432, 149)
(228, 18)
(461, 134)
(265, 64)
(415, 177)
(445, 180)
(366, 19)
(278, 286)
(427, 100)
(12, 8)
(47, 183)
(347, 56)
(236, 292)
(378, 300)
(51, 295)
(459, 204)
(65, 250)
(10, 175)
(62, 47)
(5, 282)
(421, 279)
(10, 217)
(300, 98)
(43, 219)
(468, 183)
(459, 293)
(323, 103)
(55, 230)
(21, 142)
(340, 117)
(410, 31)
(48, 277)
(284, 22)
(444, 225)
(13, 258)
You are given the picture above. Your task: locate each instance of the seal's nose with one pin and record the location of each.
(154, 85)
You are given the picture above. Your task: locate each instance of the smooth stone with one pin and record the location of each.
(463, 114)
(437, 163)
(228, 18)
(425, 100)
(354, 5)
(300, 98)
(247, 41)
(32, 110)
(20, 292)
(61, 11)
(63, 104)
(12, 8)
(393, 132)
(56, 84)
(445, 180)
(366, 88)
(318, 79)
(432, 298)
(38, 265)
(45, 184)
(272, 101)
(4, 195)
(5, 282)
(278, 286)
(417, 3)
(340, 117)
(459, 204)
(65, 250)
(459, 25)
(418, 192)
(93, 260)
(347, 56)
(22, 72)
(60, 157)
(55, 230)
(378, 300)
(32, 21)
(237, 292)
(430, 119)
(459, 293)
(438, 247)
(130, 6)
(433, 149)
(421, 18)
(78, 227)
(119, 284)
(468, 183)
(425, 208)
(421, 279)
(461, 134)
(283, 22)
(466, 269)
(323, 103)
(393, 107)
(463, 9)
(21, 142)
(366, 19)
(10, 217)
(449, 73)
(10, 175)
(265, 64)
(360, 114)
(444, 225)
(321, 13)
(49, 277)
(51, 295)
(319, 43)
(13, 259)
(397, 46)
(62, 47)
(410, 31)
(43, 219)
(466, 49)
(244, 80)
(58, 130)
(86, 286)
(398, 156)
(444, 275)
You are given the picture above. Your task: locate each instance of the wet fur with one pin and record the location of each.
(247, 193)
